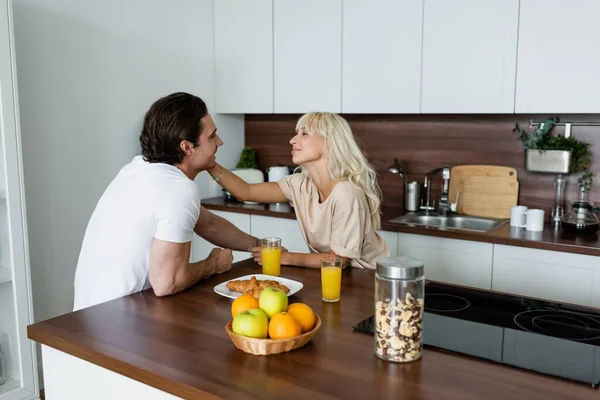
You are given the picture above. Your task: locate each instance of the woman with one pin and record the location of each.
(335, 195)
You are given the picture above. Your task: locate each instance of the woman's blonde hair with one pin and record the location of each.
(344, 158)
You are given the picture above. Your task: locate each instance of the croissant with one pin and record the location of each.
(254, 286)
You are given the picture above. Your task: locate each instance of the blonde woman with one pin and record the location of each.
(335, 194)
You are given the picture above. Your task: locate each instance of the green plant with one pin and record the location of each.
(540, 139)
(247, 158)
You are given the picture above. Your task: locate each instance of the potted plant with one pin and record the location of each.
(247, 169)
(555, 154)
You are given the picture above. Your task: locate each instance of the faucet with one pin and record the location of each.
(443, 205)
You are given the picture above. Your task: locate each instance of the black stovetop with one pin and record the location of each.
(543, 336)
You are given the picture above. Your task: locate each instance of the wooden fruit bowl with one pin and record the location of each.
(271, 346)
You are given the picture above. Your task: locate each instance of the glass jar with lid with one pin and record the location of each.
(399, 300)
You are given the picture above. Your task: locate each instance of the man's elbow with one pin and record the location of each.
(164, 288)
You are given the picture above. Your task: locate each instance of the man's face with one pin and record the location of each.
(203, 156)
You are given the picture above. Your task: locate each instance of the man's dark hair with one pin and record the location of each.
(170, 120)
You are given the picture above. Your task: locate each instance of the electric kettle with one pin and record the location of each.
(277, 172)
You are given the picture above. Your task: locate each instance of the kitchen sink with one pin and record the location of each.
(451, 221)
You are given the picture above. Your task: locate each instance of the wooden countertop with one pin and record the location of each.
(178, 344)
(548, 239)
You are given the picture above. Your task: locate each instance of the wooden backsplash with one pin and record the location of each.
(425, 142)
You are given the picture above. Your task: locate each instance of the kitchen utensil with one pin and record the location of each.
(294, 286)
(535, 220)
(581, 218)
(277, 172)
(518, 216)
(271, 346)
(412, 196)
(460, 173)
(487, 196)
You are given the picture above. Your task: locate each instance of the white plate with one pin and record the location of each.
(294, 286)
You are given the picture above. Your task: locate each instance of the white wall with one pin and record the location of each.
(87, 72)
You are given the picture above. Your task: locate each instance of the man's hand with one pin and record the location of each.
(221, 259)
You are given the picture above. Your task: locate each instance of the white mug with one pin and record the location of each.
(518, 216)
(535, 220)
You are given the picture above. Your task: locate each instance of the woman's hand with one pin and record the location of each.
(257, 254)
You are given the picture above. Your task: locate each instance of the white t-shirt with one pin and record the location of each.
(144, 201)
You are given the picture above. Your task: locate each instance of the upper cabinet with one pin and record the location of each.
(307, 55)
(381, 57)
(469, 56)
(559, 62)
(244, 56)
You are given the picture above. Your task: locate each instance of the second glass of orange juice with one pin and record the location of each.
(271, 256)
(331, 278)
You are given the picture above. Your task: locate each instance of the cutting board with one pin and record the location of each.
(459, 174)
(488, 196)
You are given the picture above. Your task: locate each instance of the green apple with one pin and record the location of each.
(273, 301)
(251, 323)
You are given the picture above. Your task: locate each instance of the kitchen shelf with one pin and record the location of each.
(5, 274)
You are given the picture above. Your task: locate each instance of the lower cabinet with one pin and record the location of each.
(460, 262)
(391, 239)
(285, 229)
(551, 275)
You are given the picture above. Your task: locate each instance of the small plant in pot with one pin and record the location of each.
(247, 169)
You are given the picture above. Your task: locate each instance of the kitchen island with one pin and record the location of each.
(142, 346)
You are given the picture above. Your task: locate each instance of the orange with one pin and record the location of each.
(303, 314)
(283, 326)
(243, 303)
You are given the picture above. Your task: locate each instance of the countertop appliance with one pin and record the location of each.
(543, 336)
(277, 172)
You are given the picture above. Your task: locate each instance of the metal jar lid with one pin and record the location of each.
(400, 268)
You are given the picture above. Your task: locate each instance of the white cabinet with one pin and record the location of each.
(286, 229)
(454, 261)
(551, 275)
(391, 239)
(202, 248)
(15, 293)
(558, 64)
(244, 56)
(307, 55)
(381, 65)
(469, 55)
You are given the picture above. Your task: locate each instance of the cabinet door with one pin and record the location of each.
(391, 239)
(469, 56)
(244, 56)
(381, 66)
(559, 62)
(286, 229)
(544, 274)
(450, 260)
(308, 55)
(202, 248)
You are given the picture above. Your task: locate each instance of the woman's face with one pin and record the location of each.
(307, 147)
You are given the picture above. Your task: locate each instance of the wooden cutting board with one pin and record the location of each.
(459, 174)
(488, 196)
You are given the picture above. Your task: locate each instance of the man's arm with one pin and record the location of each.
(223, 233)
(170, 269)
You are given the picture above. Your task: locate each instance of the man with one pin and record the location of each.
(139, 235)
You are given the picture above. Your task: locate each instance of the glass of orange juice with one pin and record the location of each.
(271, 256)
(331, 278)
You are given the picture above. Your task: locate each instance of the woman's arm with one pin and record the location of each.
(309, 260)
(267, 192)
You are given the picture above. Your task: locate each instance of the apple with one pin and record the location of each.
(251, 323)
(273, 301)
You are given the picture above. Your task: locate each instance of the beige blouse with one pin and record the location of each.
(341, 223)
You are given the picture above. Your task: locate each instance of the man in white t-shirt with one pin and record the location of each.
(139, 236)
